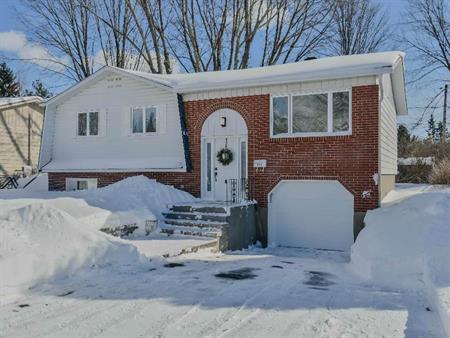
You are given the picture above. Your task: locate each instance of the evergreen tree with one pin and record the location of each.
(38, 90)
(431, 130)
(9, 86)
(404, 140)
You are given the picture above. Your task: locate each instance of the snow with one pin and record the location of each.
(295, 293)
(319, 69)
(113, 291)
(406, 244)
(108, 164)
(135, 199)
(10, 101)
(37, 182)
(39, 241)
(415, 160)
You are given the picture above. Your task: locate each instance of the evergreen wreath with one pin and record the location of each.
(225, 156)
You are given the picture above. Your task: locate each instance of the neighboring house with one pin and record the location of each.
(21, 120)
(316, 140)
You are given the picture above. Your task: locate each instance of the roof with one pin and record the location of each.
(6, 102)
(312, 70)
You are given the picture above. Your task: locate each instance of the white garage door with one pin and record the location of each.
(311, 214)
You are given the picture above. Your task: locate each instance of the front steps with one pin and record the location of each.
(202, 219)
(233, 226)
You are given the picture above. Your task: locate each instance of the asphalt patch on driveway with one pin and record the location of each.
(319, 280)
(173, 265)
(239, 274)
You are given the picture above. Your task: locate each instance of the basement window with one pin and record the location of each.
(73, 184)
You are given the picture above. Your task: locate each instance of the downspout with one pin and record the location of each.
(380, 102)
(184, 133)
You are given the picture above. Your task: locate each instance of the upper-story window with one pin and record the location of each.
(319, 114)
(87, 124)
(143, 120)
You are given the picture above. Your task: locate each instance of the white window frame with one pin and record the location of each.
(88, 132)
(329, 131)
(289, 114)
(74, 181)
(143, 121)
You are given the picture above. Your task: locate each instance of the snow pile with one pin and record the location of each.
(38, 182)
(39, 242)
(405, 240)
(134, 200)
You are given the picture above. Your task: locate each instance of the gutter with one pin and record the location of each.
(184, 133)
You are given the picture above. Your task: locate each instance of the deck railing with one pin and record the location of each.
(238, 190)
(8, 182)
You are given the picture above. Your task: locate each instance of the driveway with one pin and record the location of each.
(260, 292)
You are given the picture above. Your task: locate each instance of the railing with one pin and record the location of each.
(238, 190)
(8, 182)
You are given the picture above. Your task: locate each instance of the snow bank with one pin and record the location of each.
(406, 244)
(406, 239)
(133, 200)
(39, 242)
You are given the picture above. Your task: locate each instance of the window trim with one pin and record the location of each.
(77, 179)
(88, 112)
(329, 131)
(143, 133)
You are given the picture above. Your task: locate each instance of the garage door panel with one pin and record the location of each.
(313, 214)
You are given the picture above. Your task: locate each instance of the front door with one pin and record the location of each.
(217, 175)
(225, 128)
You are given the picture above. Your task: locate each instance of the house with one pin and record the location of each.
(21, 120)
(315, 141)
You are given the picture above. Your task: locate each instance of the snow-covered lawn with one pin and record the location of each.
(88, 284)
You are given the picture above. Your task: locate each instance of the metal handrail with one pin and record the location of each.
(238, 190)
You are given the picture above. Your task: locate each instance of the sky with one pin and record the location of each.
(16, 45)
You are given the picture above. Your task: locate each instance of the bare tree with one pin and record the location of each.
(226, 34)
(65, 28)
(428, 34)
(359, 26)
(116, 28)
(294, 30)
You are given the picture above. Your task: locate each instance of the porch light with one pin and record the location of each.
(223, 121)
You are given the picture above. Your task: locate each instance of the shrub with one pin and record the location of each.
(418, 172)
(440, 174)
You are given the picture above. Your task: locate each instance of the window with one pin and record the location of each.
(87, 124)
(80, 183)
(340, 111)
(280, 115)
(309, 113)
(318, 114)
(143, 120)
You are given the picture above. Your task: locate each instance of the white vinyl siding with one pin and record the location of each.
(388, 130)
(114, 98)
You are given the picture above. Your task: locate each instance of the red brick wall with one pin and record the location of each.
(350, 159)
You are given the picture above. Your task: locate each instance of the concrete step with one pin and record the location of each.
(195, 223)
(196, 216)
(199, 208)
(190, 230)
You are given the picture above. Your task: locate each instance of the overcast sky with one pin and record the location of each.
(13, 43)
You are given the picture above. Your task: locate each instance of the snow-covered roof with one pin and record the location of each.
(317, 69)
(14, 101)
(312, 70)
(114, 164)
